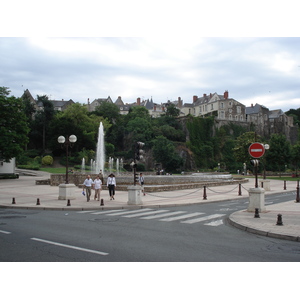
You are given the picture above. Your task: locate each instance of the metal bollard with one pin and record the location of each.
(102, 202)
(69, 203)
(13, 201)
(38, 201)
(240, 190)
(279, 219)
(256, 215)
(284, 184)
(297, 193)
(204, 193)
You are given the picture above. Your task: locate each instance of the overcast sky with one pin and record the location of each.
(264, 70)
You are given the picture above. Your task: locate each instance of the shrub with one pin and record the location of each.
(47, 160)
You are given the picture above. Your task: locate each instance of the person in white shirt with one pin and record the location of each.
(87, 185)
(111, 184)
(97, 187)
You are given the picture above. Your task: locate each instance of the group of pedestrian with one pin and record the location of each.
(111, 183)
(96, 185)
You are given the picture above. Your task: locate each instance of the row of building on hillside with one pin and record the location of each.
(225, 109)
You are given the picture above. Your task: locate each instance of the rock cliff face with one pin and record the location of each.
(187, 156)
(265, 129)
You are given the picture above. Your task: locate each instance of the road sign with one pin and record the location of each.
(256, 150)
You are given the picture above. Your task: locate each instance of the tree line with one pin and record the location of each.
(172, 143)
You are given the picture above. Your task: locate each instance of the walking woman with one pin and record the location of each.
(111, 184)
(97, 187)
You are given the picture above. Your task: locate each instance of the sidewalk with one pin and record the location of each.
(25, 193)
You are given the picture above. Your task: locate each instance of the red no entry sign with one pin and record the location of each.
(257, 150)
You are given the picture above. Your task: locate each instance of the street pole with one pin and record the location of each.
(67, 161)
(297, 196)
(256, 180)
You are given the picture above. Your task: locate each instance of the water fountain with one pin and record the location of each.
(100, 152)
(110, 164)
(83, 166)
(118, 167)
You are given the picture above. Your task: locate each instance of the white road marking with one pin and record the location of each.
(164, 215)
(5, 232)
(129, 212)
(203, 219)
(106, 211)
(85, 211)
(144, 213)
(214, 223)
(69, 246)
(181, 217)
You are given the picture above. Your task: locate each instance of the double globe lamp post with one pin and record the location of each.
(66, 191)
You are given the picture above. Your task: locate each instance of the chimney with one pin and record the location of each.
(179, 102)
(88, 100)
(210, 95)
(195, 98)
(154, 107)
(138, 101)
(204, 95)
(226, 94)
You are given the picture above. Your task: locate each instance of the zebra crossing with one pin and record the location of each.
(163, 215)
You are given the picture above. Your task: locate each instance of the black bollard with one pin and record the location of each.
(240, 190)
(204, 193)
(256, 215)
(279, 219)
(38, 201)
(13, 201)
(102, 202)
(69, 203)
(284, 184)
(297, 193)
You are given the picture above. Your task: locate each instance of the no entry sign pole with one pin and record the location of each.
(256, 150)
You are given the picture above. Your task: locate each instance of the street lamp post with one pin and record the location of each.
(69, 142)
(267, 147)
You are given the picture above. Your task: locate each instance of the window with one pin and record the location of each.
(211, 106)
(238, 109)
(222, 114)
(230, 117)
(222, 104)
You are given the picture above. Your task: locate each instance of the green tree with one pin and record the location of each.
(279, 153)
(172, 110)
(13, 125)
(165, 154)
(243, 142)
(295, 154)
(109, 111)
(39, 133)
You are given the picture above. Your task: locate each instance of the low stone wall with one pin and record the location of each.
(78, 179)
(152, 182)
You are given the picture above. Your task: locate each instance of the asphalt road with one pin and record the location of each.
(193, 233)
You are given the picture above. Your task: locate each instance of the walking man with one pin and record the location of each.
(87, 185)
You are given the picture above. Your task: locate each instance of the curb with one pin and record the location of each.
(262, 232)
